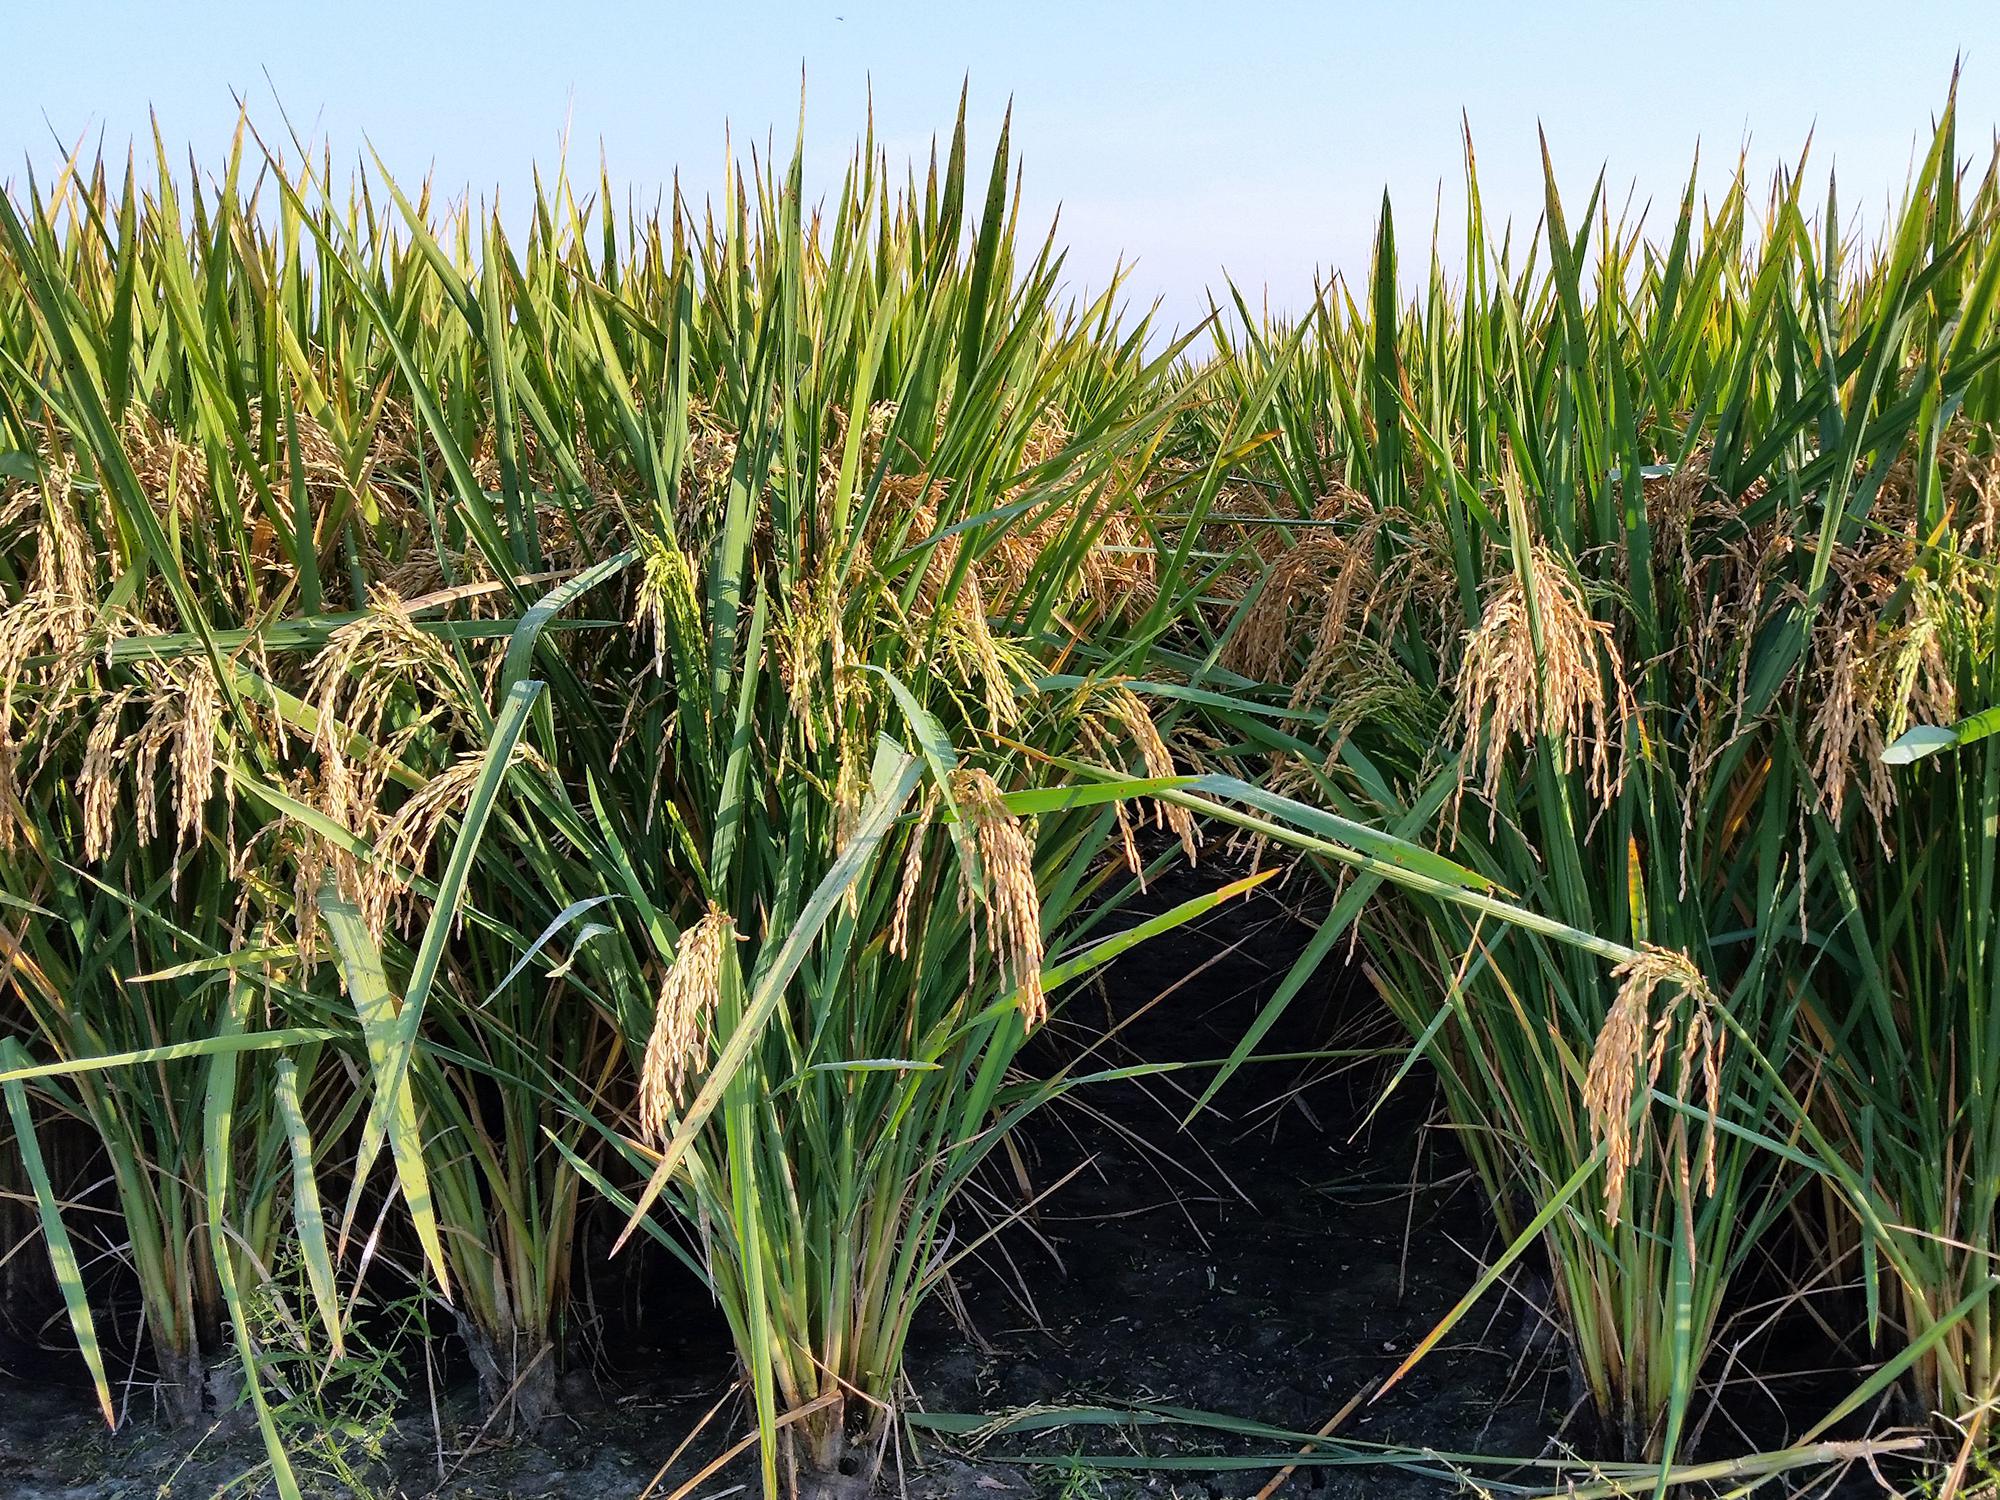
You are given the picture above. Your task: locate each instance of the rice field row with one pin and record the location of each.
(656, 712)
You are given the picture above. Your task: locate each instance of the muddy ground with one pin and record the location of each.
(1272, 1261)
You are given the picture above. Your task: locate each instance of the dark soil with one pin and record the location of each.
(1272, 1260)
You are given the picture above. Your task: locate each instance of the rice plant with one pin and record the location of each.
(490, 722)
(1900, 1117)
(1571, 563)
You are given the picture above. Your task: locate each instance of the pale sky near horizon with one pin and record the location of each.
(1255, 138)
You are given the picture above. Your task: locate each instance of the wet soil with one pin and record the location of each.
(1272, 1260)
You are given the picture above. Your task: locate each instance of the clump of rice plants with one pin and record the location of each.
(784, 791)
(1609, 567)
(1901, 1116)
(659, 709)
(487, 722)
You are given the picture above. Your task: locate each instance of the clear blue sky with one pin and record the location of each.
(1192, 137)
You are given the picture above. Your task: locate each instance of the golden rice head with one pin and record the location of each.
(914, 862)
(992, 667)
(404, 842)
(1121, 570)
(485, 456)
(172, 473)
(576, 533)
(56, 612)
(1897, 602)
(1313, 592)
(1008, 561)
(106, 750)
(1266, 637)
(1688, 514)
(682, 1020)
(1128, 834)
(396, 442)
(180, 731)
(869, 471)
(1114, 567)
(1253, 544)
(184, 723)
(1972, 488)
(364, 669)
(425, 571)
(1004, 889)
(1968, 481)
(288, 842)
(1878, 662)
(55, 618)
(1573, 693)
(813, 659)
(24, 627)
(905, 515)
(875, 425)
(1321, 598)
(706, 468)
(66, 560)
(1634, 1042)
(854, 761)
(1369, 684)
(1048, 436)
(401, 553)
(1116, 717)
